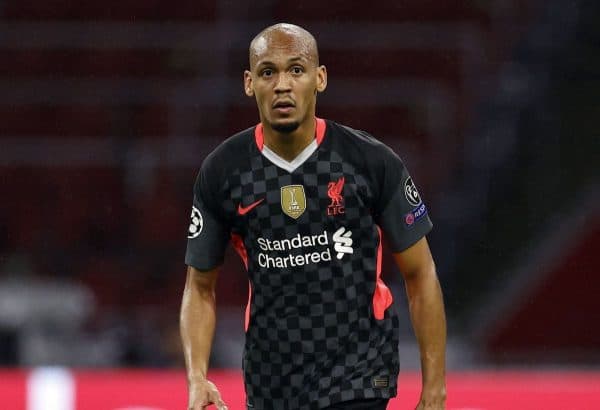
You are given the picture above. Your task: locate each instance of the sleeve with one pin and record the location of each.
(208, 233)
(402, 214)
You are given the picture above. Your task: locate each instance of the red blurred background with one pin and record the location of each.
(108, 109)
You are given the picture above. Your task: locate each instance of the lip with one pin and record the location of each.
(283, 104)
(284, 109)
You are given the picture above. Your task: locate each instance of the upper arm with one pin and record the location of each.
(415, 260)
(400, 213)
(208, 230)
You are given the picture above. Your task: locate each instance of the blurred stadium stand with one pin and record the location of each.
(107, 110)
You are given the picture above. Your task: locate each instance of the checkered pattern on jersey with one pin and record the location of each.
(312, 339)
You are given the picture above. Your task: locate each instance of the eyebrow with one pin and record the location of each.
(289, 61)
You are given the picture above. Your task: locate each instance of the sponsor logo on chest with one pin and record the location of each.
(303, 250)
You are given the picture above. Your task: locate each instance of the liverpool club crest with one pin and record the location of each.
(293, 200)
(334, 192)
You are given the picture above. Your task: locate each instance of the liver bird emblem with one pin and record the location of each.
(334, 191)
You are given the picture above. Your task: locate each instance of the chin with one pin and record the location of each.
(286, 127)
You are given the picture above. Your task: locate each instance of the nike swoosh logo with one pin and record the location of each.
(243, 210)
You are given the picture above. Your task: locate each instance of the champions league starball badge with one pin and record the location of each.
(196, 223)
(411, 193)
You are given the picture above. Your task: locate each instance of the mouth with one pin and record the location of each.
(283, 106)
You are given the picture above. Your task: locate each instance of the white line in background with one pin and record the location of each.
(50, 388)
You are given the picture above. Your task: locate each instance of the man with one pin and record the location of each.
(302, 201)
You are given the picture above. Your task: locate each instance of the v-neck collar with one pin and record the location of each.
(290, 166)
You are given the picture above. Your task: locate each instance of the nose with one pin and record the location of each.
(283, 83)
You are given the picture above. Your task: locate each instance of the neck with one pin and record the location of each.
(289, 145)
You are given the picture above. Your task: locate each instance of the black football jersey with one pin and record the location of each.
(319, 328)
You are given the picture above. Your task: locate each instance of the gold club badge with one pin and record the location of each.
(293, 200)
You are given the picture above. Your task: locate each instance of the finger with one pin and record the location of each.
(215, 398)
(219, 403)
(201, 404)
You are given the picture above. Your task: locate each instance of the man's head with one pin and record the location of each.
(285, 76)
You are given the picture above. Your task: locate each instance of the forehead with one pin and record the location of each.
(280, 46)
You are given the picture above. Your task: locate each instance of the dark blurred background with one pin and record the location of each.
(107, 110)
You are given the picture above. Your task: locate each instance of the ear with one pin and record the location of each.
(248, 88)
(321, 78)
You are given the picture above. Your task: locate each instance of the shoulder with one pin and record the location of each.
(228, 156)
(223, 161)
(231, 151)
(362, 146)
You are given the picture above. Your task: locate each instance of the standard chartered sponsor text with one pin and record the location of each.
(268, 260)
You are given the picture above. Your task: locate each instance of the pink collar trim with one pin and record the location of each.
(319, 131)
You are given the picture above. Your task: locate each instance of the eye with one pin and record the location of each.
(297, 70)
(267, 72)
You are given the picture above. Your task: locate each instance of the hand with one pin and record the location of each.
(204, 393)
(432, 399)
